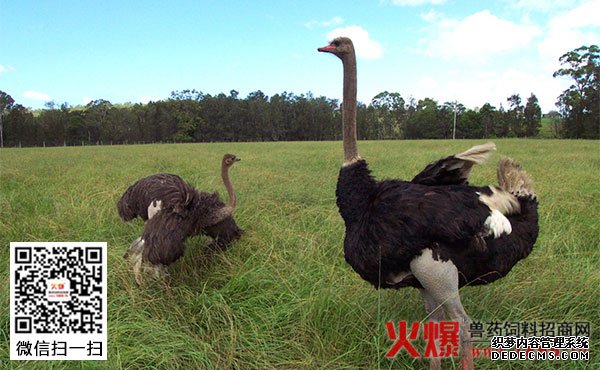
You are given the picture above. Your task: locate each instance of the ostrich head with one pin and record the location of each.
(229, 160)
(339, 47)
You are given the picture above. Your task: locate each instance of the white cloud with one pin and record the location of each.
(477, 37)
(483, 57)
(6, 69)
(475, 87)
(366, 48)
(36, 95)
(335, 21)
(585, 15)
(540, 5)
(560, 41)
(417, 2)
(570, 30)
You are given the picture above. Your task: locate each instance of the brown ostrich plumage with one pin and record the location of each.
(173, 210)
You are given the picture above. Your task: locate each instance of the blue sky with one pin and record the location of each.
(135, 51)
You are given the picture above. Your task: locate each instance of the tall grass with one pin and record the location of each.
(283, 296)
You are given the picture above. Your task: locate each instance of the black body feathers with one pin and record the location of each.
(447, 171)
(392, 221)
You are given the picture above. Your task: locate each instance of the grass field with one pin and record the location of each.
(548, 130)
(283, 296)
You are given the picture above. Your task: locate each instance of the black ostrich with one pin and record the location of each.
(173, 211)
(434, 233)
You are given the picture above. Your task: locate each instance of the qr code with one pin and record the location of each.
(58, 291)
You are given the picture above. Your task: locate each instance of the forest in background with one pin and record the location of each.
(192, 116)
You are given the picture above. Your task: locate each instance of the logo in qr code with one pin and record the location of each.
(58, 290)
(58, 301)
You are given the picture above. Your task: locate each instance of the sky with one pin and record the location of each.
(473, 52)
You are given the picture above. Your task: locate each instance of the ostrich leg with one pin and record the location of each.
(457, 312)
(435, 313)
(440, 281)
(134, 254)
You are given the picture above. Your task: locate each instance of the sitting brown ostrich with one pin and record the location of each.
(173, 211)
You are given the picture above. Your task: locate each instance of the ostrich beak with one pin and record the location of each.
(237, 159)
(327, 49)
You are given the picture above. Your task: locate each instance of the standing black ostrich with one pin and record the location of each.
(173, 211)
(434, 233)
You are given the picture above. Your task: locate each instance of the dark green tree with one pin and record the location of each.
(515, 115)
(532, 117)
(19, 126)
(6, 102)
(449, 112)
(256, 118)
(469, 126)
(501, 125)
(76, 130)
(580, 103)
(388, 115)
(488, 114)
(52, 123)
(185, 109)
(96, 117)
(425, 122)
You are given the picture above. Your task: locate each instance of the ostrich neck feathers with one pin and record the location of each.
(355, 188)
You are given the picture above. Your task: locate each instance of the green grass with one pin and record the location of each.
(283, 296)
(547, 130)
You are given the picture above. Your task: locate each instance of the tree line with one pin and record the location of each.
(192, 116)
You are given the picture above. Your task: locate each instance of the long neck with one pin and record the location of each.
(230, 192)
(355, 184)
(227, 211)
(349, 109)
